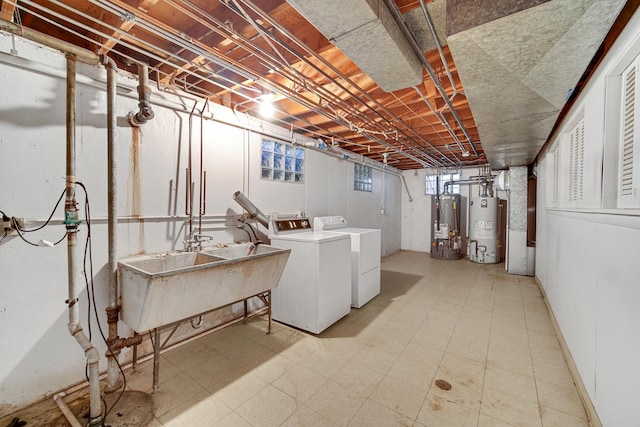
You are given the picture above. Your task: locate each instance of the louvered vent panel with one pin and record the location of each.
(626, 172)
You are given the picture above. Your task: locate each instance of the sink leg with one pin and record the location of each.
(245, 311)
(156, 360)
(269, 312)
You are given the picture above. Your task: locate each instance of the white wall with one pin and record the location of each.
(587, 257)
(39, 357)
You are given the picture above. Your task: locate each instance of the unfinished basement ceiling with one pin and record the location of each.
(366, 75)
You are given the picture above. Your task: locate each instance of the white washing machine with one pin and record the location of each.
(315, 288)
(365, 257)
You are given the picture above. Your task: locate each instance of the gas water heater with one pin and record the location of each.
(482, 246)
(445, 234)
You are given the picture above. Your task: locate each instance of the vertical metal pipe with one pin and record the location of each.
(113, 371)
(156, 360)
(71, 222)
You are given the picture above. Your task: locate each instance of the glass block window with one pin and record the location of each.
(282, 162)
(362, 178)
(431, 180)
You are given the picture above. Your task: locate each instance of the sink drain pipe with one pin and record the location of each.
(71, 222)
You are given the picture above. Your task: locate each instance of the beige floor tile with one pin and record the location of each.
(200, 410)
(539, 339)
(375, 359)
(510, 409)
(516, 312)
(563, 399)
(271, 367)
(359, 378)
(142, 378)
(399, 396)
(324, 362)
(239, 391)
(513, 344)
(412, 373)
(343, 347)
(517, 363)
(189, 355)
(553, 374)
(299, 348)
(548, 355)
(467, 370)
(307, 417)
(405, 323)
(439, 412)
(521, 386)
(241, 350)
(269, 407)
(468, 350)
(215, 372)
(545, 327)
(154, 423)
(487, 421)
(472, 334)
(373, 414)
(300, 383)
(500, 320)
(336, 402)
(553, 418)
(433, 338)
(422, 354)
(390, 343)
(232, 420)
(174, 392)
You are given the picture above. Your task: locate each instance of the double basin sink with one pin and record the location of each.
(163, 288)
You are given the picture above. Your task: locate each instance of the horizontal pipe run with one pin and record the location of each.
(81, 54)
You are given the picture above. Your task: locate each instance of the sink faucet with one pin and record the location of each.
(195, 241)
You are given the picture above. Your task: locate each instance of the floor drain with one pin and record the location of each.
(443, 385)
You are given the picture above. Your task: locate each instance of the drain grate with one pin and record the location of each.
(443, 385)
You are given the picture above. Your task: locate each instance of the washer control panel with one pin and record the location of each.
(288, 225)
(329, 222)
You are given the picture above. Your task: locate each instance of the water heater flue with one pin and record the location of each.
(254, 212)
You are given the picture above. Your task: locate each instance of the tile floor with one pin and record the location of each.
(485, 332)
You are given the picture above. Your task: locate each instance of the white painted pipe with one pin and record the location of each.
(69, 415)
(71, 221)
(113, 371)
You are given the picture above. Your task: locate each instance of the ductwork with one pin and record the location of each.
(366, 32)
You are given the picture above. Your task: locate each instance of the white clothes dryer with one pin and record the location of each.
(365, 257)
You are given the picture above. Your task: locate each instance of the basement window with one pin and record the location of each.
(431, 184)
(282, 162)
(362, 180)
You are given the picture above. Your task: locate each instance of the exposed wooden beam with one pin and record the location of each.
(124, 26)
(7, 10)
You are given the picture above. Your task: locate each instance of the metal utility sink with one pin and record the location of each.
(240, 250)
(163, 288)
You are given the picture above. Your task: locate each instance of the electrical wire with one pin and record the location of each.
(91, 296)
(255, 235)
(48, 219)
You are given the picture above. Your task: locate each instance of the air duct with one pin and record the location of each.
(367, 33)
